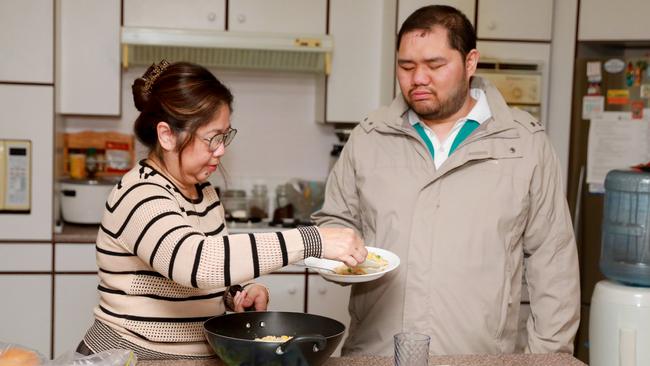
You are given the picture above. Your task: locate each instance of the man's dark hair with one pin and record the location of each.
(460, 32)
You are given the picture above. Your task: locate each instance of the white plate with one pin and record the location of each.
(392, 258)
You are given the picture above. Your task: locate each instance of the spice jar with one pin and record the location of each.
(235, 205)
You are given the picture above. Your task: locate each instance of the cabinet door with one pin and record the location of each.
(26, 311)
(406, 7)
(363, 72)
(287, 291)
(16, 257)
(26, 41)
(330, 300)
(182, 14)
(75, 297)
(88, 57)
(27, 113)
(603, 20)
(77, 257)
(515, 19)
(278, 16)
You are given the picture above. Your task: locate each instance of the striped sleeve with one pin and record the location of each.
(149, 222)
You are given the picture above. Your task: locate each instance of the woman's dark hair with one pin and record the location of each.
(185, 95)
(460, 32)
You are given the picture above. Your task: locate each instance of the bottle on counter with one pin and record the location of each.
(92, 164)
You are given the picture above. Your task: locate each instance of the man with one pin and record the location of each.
(465, 190)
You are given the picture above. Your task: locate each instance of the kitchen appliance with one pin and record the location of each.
(625, 254)
(83, 201)
(15, 175)
(619, 325)
(519, 82)
(232, 337)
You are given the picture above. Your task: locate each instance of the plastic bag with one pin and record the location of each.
(113, 357)
(16, 355)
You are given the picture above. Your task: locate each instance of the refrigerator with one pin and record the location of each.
(612, 77)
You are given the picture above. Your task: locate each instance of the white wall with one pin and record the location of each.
(274, 113)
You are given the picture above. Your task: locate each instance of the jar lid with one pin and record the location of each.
(628, 181)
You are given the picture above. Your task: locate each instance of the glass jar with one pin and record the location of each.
(235, 204)
(259, 202)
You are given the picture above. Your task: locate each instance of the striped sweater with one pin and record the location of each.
(165, 262)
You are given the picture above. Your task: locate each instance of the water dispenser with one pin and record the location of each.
(625, 253)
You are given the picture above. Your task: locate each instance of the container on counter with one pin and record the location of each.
(259, 203)
(235, 205)
(77, 165)
(83, 200)
(625, 251)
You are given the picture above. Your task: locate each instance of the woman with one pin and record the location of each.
(166, 263)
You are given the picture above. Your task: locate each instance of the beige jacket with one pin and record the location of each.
(462, 233)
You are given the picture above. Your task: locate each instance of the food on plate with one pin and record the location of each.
(374, 263)
(270, 338)
(16, 356)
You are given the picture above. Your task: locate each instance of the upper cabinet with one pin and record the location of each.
(185, 14)
(88, 57)
(26, 41)
(362, 76)
(604, 20)
(278, 16)
(406, 7)
(515, 19)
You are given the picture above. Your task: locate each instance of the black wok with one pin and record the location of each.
(232, 337)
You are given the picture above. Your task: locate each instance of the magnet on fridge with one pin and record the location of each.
(637, 109)
(629, 74)
(618, 96)
(644, 91)
(593, 89)
(593, 72)
(614, 65)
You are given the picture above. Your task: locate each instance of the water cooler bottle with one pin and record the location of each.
(619, 326)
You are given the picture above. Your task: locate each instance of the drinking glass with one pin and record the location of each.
(411, 349)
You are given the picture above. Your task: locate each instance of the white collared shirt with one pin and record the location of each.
(480, 113)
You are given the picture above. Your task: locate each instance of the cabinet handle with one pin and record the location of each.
(322, 290)
(241, 18)
(292, 290)
(212, 16)
(492, 26)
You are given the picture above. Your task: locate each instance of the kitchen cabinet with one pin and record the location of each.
(278, 16)
(26, 41)
(287, 291)
(25, 317)
(75, 297)
(88, 73)
(20, 257)
(515, 19)
(533, 52)
(406, 7)
(362, 76)
(182, 14)
(75, 257)
(603, 20)
(330, 300)
(26, 113)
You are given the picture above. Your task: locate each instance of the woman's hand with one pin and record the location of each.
(343, 244)
(254, 295)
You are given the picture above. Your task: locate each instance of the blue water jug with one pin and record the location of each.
(625, 251)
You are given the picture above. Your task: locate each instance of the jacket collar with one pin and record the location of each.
(395, 117)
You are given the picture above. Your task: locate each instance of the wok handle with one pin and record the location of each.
(319, 343)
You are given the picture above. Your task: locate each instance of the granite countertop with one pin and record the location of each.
(559, 359)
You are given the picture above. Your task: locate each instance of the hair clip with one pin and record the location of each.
(153, 75)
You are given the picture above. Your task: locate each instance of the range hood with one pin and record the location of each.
(223, 49)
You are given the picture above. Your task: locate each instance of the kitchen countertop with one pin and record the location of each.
(558, 359)
(73, 233)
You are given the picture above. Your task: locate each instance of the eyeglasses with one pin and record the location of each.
(221, 138)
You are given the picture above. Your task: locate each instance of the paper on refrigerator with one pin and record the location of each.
(616, 141)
